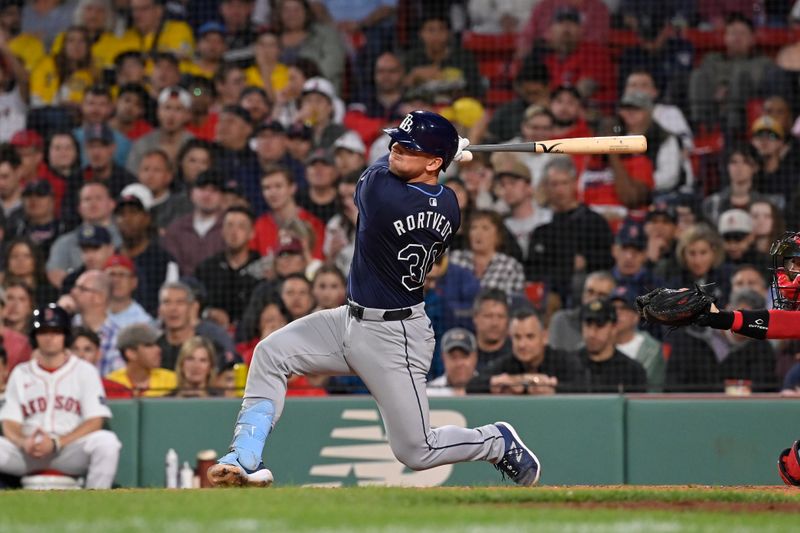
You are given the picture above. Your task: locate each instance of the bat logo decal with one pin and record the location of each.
(550, 149)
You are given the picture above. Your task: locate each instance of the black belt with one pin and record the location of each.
(359, 311)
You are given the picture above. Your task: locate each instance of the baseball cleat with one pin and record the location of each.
(229, 473)
(518, 462)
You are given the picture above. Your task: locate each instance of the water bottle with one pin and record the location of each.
(171, 469)
(187, 476)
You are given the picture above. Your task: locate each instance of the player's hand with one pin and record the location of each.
(43, 444)
(463, 142)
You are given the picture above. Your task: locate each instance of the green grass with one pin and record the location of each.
(393, 510)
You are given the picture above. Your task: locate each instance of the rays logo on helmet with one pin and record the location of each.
(48, 314)
(407, 123)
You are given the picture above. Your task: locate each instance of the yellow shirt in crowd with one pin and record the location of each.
(176, 37)
(279, 77)
(162, 381)
(47, 89)
(104, 50)
(28, 48)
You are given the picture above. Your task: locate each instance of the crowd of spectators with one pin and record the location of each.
(179, 176)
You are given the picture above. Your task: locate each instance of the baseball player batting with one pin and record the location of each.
(54, 410)
(406, 220)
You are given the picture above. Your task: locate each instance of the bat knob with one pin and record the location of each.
(466, 157)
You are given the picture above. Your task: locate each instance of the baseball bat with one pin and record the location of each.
(623, 144)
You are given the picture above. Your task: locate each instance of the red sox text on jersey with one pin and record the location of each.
(62, 403)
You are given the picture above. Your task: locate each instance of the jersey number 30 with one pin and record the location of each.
(419, 261)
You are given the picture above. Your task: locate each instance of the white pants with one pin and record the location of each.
(94, 455)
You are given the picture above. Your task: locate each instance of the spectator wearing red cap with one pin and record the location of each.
(122, 308)
(198, 235)
(37, 219)
(30, 147)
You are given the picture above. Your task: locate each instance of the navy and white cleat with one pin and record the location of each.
(518, 462)
(229, 473)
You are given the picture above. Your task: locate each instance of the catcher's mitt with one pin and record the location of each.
(675, 307)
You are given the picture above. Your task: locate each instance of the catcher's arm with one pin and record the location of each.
(758, 324)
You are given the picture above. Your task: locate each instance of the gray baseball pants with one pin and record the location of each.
(94, 455)
(392, 358)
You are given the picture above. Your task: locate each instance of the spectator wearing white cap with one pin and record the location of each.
(735, 226)
(174, 105)
(153, 264)
(322, 109)
(349, 153)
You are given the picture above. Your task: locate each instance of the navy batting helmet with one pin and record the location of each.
(50, 318)
(425, 131)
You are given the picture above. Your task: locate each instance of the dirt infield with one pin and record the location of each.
(698, 498)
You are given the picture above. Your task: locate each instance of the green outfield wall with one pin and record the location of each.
(579, 439)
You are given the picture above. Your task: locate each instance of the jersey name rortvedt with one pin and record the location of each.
(424, 219)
